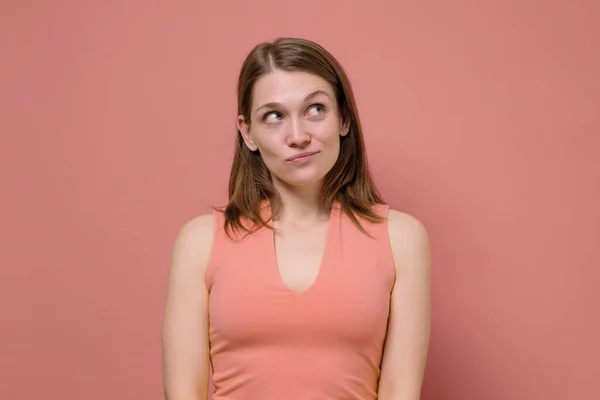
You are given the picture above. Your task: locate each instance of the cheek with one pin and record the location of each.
(328, 135)
(270, 150)
(329, 143)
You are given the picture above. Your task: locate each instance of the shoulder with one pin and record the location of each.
(404, 226)
(197, 230)
(409, 240)
(194, 242)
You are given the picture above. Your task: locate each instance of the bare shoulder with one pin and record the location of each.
(193, 243)
(405, 226)
(409, 240)
(198, 228)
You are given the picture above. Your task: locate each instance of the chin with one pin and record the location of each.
(303, 179)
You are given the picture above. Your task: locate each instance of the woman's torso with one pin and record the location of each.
(326, 342)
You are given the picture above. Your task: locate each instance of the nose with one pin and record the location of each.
(297, 135)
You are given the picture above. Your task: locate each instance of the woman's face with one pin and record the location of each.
(295, 125)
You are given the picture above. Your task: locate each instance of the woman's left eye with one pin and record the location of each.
(316, 109)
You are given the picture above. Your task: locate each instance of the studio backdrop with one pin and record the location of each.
(480, 119)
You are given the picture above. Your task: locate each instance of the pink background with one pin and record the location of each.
(481, 118)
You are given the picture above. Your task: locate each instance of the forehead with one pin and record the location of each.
(287, 87)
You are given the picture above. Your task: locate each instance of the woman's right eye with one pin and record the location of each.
(272, 116)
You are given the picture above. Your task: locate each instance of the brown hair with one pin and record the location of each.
(348, 182)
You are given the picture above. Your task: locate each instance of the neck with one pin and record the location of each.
(300, 203)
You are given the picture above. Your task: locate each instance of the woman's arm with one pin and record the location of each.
(185, 318)
(407, 341)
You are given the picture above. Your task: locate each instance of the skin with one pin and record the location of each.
(293, 113)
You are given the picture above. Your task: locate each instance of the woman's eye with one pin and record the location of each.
(316, 109)
(272, 117)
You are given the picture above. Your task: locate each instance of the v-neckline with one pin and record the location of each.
(274, 264)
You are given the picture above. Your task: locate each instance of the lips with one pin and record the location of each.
(294, 157)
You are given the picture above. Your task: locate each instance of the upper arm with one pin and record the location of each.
(185, 319)
(407, 340)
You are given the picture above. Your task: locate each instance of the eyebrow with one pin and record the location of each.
(307, 98)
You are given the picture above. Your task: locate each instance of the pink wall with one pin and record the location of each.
(481, 119)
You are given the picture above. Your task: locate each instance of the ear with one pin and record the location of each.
(244, 130)
(345, 128)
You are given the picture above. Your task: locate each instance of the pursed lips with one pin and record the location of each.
(294, 157)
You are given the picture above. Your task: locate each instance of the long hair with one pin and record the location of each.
(348, 182)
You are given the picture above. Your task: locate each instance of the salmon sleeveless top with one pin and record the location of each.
(268, 341)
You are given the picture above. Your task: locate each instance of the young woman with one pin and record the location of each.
(306, 285)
